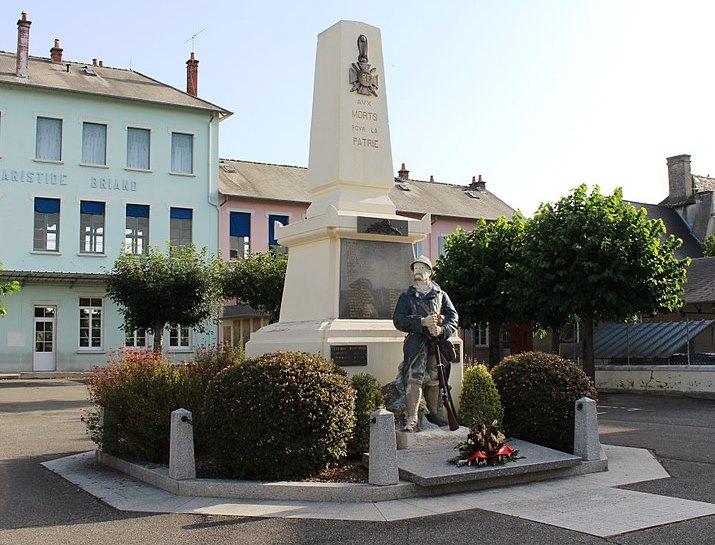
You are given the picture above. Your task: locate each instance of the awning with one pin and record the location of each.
(52, 277)
(648, 340)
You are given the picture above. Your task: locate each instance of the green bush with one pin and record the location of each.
(538, 392)
(138, 390)
(479, 401)
(281, 416)
(368, 399)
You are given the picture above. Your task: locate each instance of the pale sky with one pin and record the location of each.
(536, 96)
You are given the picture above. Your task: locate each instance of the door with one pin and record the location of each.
(44, 346)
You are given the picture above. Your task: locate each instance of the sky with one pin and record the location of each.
(536, 96)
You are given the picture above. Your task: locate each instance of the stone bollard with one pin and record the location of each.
(585, 436)
(181, 448)
(383, 449)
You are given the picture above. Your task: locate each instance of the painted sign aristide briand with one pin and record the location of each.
(363, 78)
(58, 179)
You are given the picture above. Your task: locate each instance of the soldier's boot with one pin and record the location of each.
(435, 407)
(413, 395)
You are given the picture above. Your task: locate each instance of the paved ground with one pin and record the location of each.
(40, 420)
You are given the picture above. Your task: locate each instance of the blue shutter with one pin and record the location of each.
(91, 207)
(182, 213)
(283, 220)
(47, 206)
(240, 224)
(138, 210)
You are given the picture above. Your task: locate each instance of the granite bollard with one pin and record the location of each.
(585, 437)
(182, 464)
(383, 449)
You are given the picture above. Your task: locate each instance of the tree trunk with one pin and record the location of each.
(555, 340)
(589, 365)
(494, 343)
(158, 336)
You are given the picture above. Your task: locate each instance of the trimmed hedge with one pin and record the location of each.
(479, 402)
(538, 392)
(285, 415)
(369, 399)
(138, 389)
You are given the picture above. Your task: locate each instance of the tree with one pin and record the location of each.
(257, 281)
(709, 246)
(596, 258)
(6, 288)
(476, 271)
(181, 287)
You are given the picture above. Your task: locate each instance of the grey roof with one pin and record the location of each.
(674, 225)
(52, 277)
(703, 183)
(108, 82)
(241, 311)
(288, 183)
(647, 340)
(700, 287)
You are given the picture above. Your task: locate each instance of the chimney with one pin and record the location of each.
(478, 184)
(94, 62)
(403, 173)
(56, 52)
(431, 178)
(23, 45)
(101, 64)
(680, 181)
(192, 76)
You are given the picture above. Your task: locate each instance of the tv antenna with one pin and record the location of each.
(194, 37)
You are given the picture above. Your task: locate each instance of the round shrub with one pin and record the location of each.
(285, 415)
(538, 392)
(368, 399)
(479, 401)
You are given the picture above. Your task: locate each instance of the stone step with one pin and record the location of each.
(429, 466)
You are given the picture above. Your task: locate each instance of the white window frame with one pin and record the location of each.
(93, 252)
(91, 348)
(145, 246)
(251, 213)
(193, 217)
(192, 134)
(177, 334)
(477, 336)
(61, 119)
(133, 337)
(59, 217)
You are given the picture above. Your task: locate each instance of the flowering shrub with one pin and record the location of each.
(369, 399)
(538, 392)
(281, 416)
(479, 401)
(138, 389)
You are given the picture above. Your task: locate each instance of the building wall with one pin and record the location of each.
(23, 178)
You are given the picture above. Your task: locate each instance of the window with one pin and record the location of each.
(481, 336)
(180, 226)
(48, 140)
(442, 241)
(136, 233)
(240, 230)
(47, 225)
(135, 339)
(272, 242)
(90, 322)
(138, 148)
(418, 248)
(91, 227)
(182, 153)
(94, 144)
(179, 337)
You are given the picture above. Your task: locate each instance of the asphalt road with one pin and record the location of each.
(41, 420)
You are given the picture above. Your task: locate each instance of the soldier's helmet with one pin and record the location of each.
(421, 259)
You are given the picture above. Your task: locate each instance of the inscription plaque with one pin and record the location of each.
(349, 355)
(373, 274)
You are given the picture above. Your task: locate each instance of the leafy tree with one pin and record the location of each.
(476, 271)
(257, 281)
(709, 246)
(6, 288)
(596, 258)
(154, 289)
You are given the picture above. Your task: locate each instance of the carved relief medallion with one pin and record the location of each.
(363, 78)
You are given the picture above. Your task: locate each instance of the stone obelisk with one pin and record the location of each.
(348, 261)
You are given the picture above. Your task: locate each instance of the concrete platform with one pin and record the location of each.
(557, 502)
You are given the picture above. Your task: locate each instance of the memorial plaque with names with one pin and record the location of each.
(373, 274)
(349, 355)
